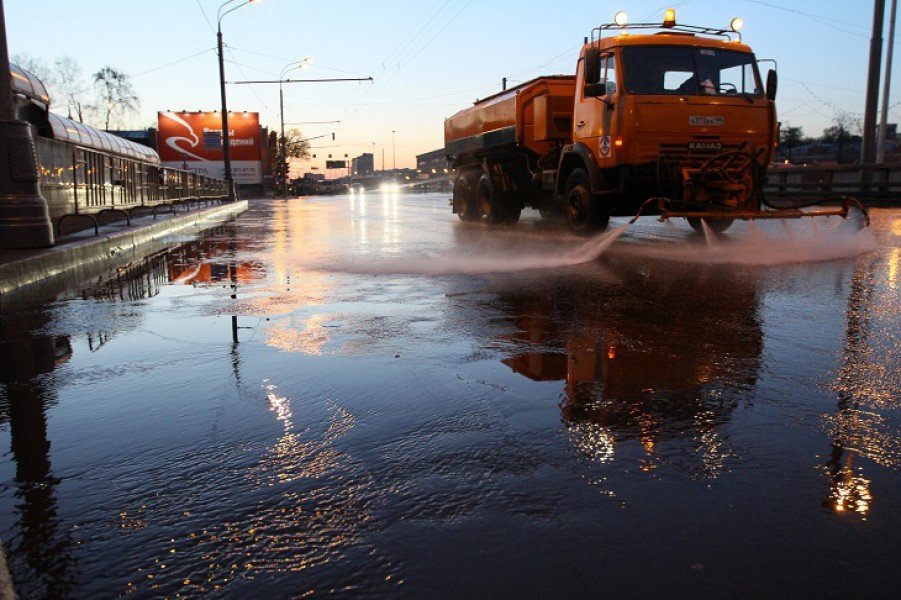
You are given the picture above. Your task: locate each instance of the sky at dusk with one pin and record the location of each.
(429, 58)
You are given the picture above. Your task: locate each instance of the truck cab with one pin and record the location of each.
(653, 109)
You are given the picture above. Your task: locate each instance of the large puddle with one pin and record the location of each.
(364, 397)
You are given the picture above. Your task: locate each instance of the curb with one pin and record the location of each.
(69, 262)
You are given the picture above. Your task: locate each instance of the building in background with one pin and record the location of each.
(145, 137)
(433, 171)
(436, 161)
(363, 165)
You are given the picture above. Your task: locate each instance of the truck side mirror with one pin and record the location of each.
(772, 84)
(596, 90)
(592, 66)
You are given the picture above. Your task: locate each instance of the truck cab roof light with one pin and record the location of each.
(669, 17)
(621, 18)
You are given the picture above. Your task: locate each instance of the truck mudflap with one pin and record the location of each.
(669, 209)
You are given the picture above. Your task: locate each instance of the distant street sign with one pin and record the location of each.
(336, 164)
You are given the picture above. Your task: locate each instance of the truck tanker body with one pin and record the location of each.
(676, 122)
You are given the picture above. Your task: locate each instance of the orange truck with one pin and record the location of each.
(659, 118)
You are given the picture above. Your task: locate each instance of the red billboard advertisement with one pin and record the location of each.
(194, 139)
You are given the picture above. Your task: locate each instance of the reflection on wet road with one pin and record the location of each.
(362, 396)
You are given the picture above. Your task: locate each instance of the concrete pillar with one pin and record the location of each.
(868, 147)
(24, 217)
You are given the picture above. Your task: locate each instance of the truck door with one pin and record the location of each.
(608, 107)
(594, 120)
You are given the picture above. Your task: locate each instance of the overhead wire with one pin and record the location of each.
(233, 60)
(205, 17)
(660, 10)
(418, 31)
(173, 63)
(825, 21)
(380, 85)
(282, 58)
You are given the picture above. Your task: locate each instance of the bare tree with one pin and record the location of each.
(115, 93)
(71, 86)
(36, 66)
(845, 130)
(790, 138)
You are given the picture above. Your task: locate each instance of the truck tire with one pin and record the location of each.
(717, 226)
(494, 207)
(464, 199)
(584, 212)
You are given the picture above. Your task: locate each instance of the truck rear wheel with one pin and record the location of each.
(584, 212)
(464, 199)
(495, 207)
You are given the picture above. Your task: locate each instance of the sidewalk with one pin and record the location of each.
(42, 273)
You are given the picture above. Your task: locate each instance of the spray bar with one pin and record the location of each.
(848, 203)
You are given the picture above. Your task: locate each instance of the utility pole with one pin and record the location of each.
(226, 144)
(868, 153)
(24, 216)
(887, 87)
(394, 151)
(226, 141)
(283, 144)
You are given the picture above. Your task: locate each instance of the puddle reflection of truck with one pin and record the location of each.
(681, 115)
(669, 379)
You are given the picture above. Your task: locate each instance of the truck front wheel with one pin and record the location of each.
(584, 212)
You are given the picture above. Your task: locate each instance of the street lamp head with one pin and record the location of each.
(221, 13)
(299, 65)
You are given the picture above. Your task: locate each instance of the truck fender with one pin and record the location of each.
(579, 156)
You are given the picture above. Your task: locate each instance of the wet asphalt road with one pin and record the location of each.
(362, 396)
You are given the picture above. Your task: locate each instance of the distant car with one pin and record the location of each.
(357, 188)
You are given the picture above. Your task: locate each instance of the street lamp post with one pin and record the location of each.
(394, 152)
(283, 142)
(24, 216)
(226, 142)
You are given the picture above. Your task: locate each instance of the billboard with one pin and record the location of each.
(194, 139)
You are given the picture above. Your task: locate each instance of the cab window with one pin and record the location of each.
(736, 76)
(610, 75)
(690, 71)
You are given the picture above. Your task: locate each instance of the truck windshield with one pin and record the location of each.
(690, 71)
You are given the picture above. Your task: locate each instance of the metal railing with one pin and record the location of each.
(880, 183)
(141, 187)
